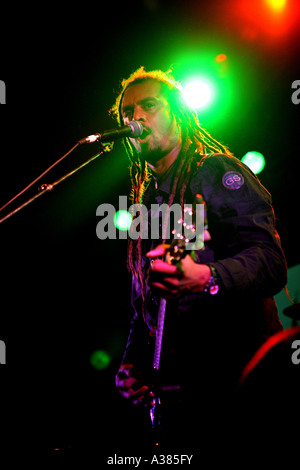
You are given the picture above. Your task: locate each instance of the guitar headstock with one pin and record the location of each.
(177, 251)
(191, 232)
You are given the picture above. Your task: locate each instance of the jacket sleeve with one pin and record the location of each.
(247, 251)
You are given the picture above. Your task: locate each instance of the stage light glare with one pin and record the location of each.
(122, 220)
(276, 5)
(221, 58)
(198, 93)
(255, 161)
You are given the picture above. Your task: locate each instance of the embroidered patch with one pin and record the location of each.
(233, 180)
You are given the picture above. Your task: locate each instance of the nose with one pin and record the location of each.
(138, 114)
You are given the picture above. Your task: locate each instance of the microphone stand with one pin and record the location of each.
(44, 188)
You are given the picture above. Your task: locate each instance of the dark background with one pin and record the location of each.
(65, 293)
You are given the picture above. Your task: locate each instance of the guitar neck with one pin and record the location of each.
(159, 333)
(176, 253)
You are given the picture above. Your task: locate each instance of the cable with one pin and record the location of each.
(39, 177)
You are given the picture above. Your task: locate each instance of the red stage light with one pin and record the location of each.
(274, 18)
(277, 6)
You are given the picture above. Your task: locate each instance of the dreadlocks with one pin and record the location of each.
(196, 144)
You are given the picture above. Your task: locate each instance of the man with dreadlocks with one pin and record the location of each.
(208, 338)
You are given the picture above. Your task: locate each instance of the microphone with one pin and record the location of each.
(132, 129)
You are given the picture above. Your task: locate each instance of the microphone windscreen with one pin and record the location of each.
(136, 127)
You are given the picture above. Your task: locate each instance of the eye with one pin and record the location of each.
(127, 115)
(149, 105)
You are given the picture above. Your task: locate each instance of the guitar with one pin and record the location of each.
(177, 250)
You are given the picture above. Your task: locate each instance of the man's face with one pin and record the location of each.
(146, 103)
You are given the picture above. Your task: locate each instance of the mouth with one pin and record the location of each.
(144, 135)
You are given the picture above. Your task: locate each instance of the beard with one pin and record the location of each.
(152, 149)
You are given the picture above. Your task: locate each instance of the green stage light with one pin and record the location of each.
(122, 220)
(255, 161)
(198, 93)
(100, 360)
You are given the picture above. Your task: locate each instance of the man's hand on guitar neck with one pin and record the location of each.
(170, 281)
(131, 388)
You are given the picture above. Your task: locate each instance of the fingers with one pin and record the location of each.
(130, 388)
(165, 286)
(172, 281)
(125, 384)
(124, 374)
(164, 279)
(141, 396)
(159, 266)
(160, 250)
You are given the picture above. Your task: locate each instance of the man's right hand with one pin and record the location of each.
(131, 388)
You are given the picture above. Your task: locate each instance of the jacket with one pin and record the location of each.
(216, 334)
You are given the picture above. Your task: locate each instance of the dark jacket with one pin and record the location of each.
(217, 334)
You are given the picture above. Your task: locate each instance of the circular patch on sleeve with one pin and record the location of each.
(233, 180)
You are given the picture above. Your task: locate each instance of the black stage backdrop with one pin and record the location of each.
(65, 293)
